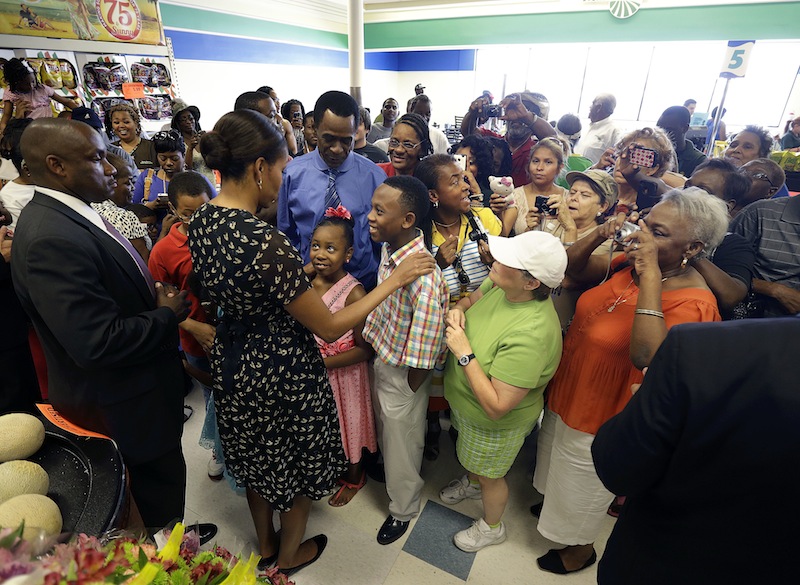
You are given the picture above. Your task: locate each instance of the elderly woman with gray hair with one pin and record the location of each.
(618, 326)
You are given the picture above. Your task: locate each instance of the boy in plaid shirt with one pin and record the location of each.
(407, 332)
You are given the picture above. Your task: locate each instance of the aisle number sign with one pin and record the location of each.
(736, 59)
(121, 18)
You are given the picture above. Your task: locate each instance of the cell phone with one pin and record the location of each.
(163, 197)
(461, 161)
(543, 207)
(647, 195)
(643, 157)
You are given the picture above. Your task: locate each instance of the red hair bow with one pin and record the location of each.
(338, 211)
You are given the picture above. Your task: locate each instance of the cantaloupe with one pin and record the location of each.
(22, 477)
(38, 512)
(21, 435)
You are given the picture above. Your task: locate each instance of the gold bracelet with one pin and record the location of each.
(650, 312)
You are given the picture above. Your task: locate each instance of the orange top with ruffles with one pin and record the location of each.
(593, 381)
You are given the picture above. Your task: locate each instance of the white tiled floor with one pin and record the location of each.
(353, 556)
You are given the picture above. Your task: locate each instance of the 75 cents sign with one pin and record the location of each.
(121, 18)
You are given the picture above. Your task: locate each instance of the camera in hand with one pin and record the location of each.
(476, 234)
(543, 207)
(491, 111)
(623, 232)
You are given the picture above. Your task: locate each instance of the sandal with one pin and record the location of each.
(334, 499)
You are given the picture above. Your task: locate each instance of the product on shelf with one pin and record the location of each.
(150, 74)
(155, 107)
(105, 76)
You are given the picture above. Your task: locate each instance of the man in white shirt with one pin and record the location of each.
(602, 134)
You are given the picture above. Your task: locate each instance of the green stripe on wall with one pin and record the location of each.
(197, 19)
(771, 20)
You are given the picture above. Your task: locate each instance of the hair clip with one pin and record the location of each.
(338, 211)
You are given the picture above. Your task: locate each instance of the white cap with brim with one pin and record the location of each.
(539, 253)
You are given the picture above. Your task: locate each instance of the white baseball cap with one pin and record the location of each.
(539, 253)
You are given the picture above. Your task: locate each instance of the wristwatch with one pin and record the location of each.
(465, 359)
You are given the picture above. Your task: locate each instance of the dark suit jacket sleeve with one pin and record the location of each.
(632, 450)
(69, 294)
(286, 222)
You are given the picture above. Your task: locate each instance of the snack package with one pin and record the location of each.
(36, 65)
(155, 107)
(51, 73)
(105, 76)
(141, 73)
(67, 74)
(160, 75)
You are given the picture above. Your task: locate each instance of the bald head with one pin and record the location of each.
(68, 156)
(602, 107)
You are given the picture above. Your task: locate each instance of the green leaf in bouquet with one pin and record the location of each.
(142, 558)
(9, 540)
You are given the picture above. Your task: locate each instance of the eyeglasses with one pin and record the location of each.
(183, 218)
(762, 177)
(394, 143)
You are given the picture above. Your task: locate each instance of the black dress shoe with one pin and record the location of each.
(552, 563)
(322, 542)
(391, 530)
(205, 531)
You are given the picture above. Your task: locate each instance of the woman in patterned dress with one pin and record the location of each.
(276, 413)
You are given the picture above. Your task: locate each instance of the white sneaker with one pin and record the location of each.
(458, 490)
(215, 468)
(479, 535)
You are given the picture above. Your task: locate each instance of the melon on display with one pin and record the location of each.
(38, 512)
(22, 477)
(21, 435)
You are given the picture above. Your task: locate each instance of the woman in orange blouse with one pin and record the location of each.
(617, 328)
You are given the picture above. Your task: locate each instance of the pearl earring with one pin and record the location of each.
(684, 262)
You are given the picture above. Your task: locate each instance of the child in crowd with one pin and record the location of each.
(171, 262)
(407, 332)
(25, 96)
(114, 212)
(346, 358)
(151, 186)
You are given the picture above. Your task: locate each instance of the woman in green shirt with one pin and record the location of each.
(505, 345)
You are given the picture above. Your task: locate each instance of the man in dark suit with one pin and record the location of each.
(708, 453)
(110, 335)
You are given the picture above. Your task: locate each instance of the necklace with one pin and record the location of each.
(447, 225)
(621, 300)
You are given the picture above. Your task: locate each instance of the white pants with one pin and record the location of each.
(400, 418)
(575, 500)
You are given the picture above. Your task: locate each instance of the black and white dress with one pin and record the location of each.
(276, 412)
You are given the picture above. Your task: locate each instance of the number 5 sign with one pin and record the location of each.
(736, 59)
(121, 18)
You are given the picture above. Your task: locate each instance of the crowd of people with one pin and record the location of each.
(338, 284)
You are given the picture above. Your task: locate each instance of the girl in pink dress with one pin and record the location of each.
(346, 358)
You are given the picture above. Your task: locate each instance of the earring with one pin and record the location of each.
(259, 184)
(684, 262)
(435, 204)
(599, 213)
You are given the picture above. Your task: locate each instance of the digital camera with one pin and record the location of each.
(623, 232)
(491, 111)
(543, 207)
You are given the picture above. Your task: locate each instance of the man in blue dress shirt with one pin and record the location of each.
(331, 175)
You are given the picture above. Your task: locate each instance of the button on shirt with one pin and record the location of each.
(407, 329)
(301, 203)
